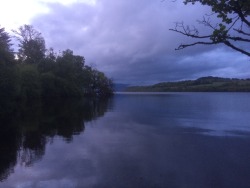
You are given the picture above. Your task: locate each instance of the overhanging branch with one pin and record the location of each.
(190, 35)
(242, 32)
(238, 39)
(233, 13)
(182, 46)
(239, 11)
(236, 48)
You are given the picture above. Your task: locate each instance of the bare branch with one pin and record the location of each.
(188, 32)
(242, 32)
(235, 21)
(190, 35)
(207, 23)
(182, 46)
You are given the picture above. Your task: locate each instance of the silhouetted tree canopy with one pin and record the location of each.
(6, 53)
(31, 45)
(8, 72)
(40, 73)
(232, 30)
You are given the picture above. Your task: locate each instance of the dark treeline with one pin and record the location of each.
(42, 95)
(37, 72)
(204, 84)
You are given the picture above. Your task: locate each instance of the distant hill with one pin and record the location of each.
(120, 87)
(204, 84)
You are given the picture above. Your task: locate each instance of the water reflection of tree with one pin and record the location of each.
(27, 128)
(9, 146)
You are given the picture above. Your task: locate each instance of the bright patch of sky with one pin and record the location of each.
(14, 13)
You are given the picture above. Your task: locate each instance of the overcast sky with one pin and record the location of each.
(129, 40)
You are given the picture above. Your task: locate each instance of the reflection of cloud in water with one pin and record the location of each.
(63, 183)
(28, 132)
(147, 141)
(216, 127)
(217, 114)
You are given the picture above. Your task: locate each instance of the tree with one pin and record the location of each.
(232, 30)
(96, 83)
(69, 66)
(6, 53)
(41, 73)
(31, 45)
(8, 71)
(48, 63)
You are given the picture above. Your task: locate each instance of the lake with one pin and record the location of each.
(151, 140)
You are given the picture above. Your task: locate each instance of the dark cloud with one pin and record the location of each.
(130, 40)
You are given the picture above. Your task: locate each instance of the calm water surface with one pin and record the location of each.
(171, 140)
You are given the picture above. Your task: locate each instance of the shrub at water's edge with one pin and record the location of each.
(35, 72)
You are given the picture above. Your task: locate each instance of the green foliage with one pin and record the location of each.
(224, 8)
(31, 45)
(231, 29)
(95, 82)
(29, 82)
(9, 84)
(42, 73)
(101, 84)
(8, 72)
(53, 86)
(6, 53)
(66, 75)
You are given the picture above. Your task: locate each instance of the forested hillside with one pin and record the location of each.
(204, 84)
